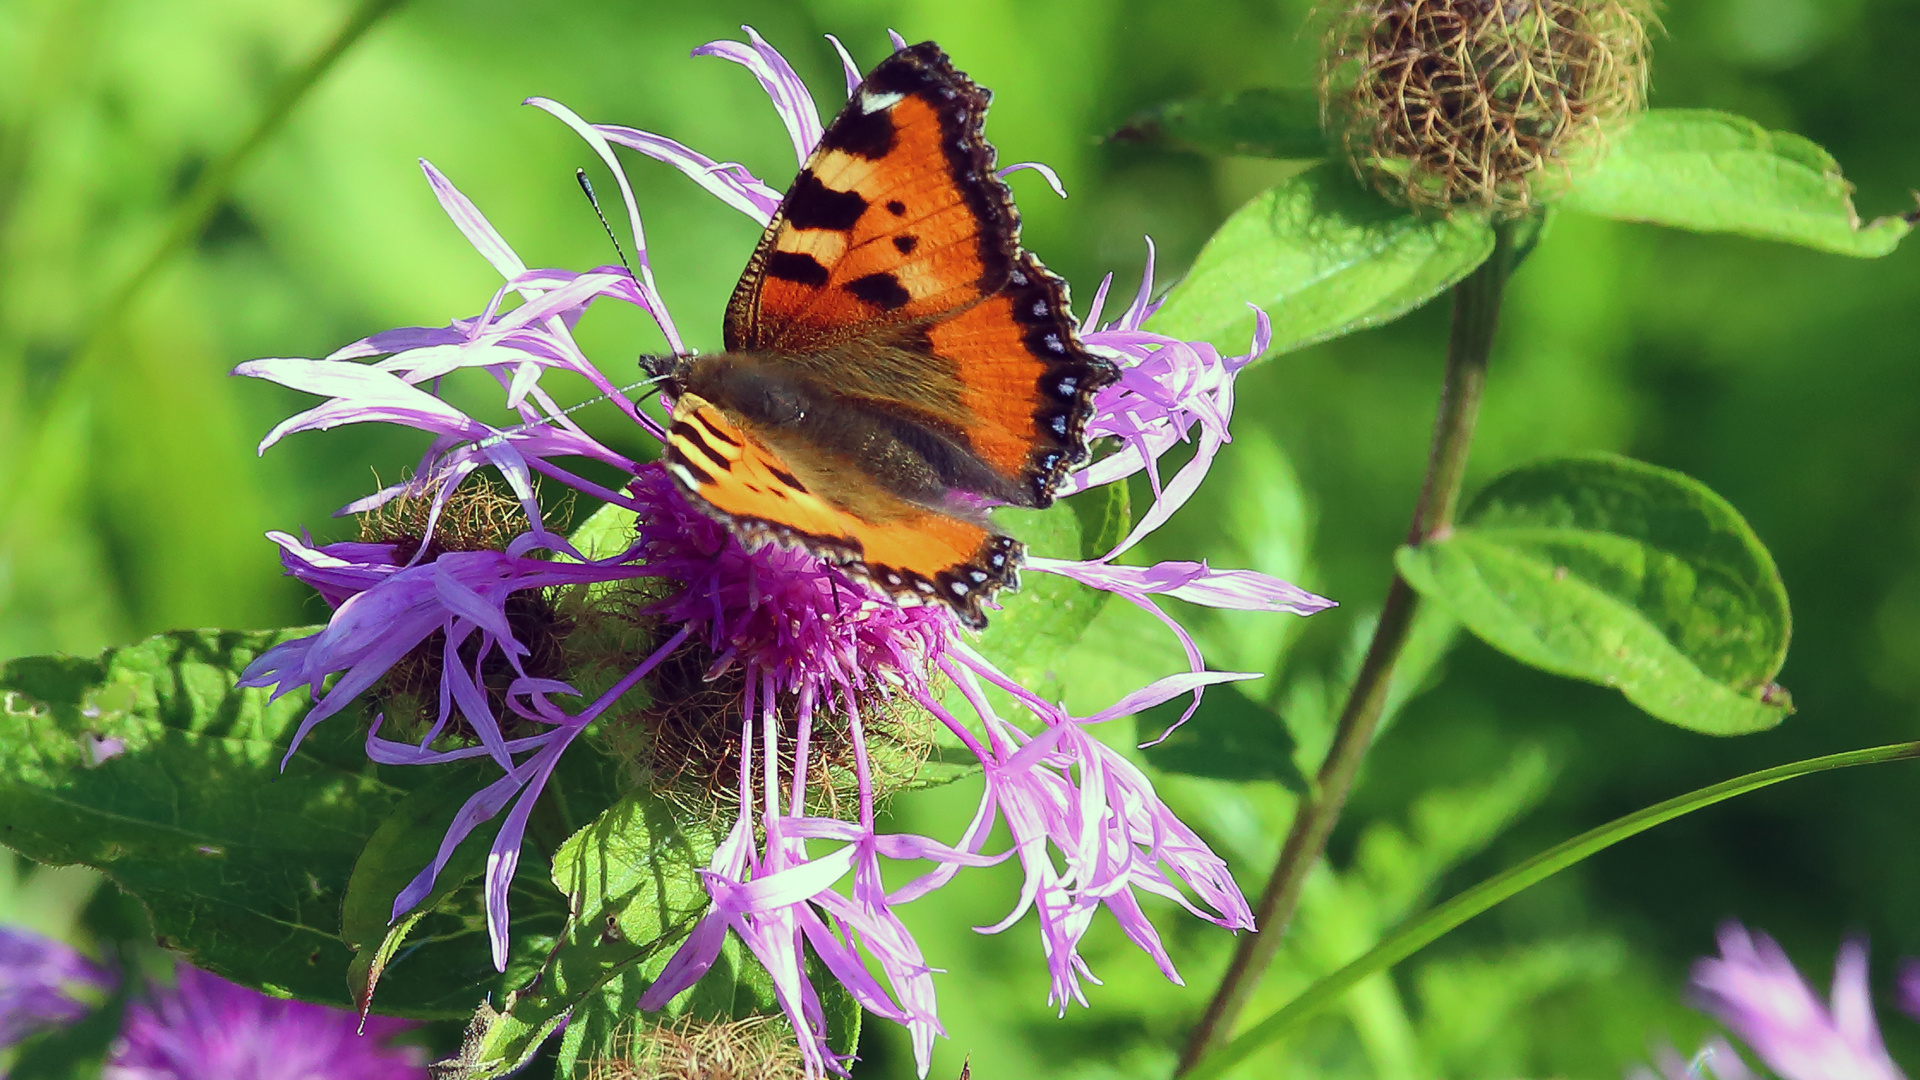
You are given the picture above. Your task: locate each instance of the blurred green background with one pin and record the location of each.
(131, 500)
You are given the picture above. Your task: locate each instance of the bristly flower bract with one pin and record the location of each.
(816, 655)
(1477, 104)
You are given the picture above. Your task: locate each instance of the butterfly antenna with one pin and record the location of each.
(586, 185)
(502, 436)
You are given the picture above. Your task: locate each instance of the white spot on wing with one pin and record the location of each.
(684, 475)
(873, 103)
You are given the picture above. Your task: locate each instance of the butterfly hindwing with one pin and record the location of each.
(903, 548)
(1026, 383)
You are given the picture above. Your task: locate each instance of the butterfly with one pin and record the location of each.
(895, 363)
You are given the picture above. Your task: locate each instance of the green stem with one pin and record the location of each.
(1476, 312)
(1416, 935)
(203, 198)
(67, 405)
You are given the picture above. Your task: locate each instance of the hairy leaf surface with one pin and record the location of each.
(1623, 574)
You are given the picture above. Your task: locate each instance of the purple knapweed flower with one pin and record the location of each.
(1909, 988)
(205, 1027)
(809, 644)
(1753, 988)
(44, 983)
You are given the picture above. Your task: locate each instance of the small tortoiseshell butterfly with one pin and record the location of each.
(895, 363)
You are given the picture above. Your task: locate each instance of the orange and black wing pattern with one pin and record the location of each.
(765, 495)
(897, 239)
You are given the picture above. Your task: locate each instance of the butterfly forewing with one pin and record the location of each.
(895, 217)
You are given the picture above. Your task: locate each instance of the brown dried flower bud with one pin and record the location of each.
(761, 1048)
(1448, 104)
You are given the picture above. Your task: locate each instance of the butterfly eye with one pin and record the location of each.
(666, 368)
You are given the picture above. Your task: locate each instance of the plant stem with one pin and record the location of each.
(1415, 935)
(203, 198)
(1476, 311)
(65, 416)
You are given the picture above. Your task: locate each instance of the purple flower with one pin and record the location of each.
(1909, 988)
(808, 644)
(207, 1027)
(1753, 989)
(44, 983)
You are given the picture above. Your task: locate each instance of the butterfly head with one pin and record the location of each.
(668, 371)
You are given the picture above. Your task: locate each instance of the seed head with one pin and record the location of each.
(754, 1049)
(479, 516)
(1448, 104)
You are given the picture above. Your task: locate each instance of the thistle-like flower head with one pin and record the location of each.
(1444, 104)
(811, 658)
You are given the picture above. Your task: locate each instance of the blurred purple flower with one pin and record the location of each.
(44, 983)
(1754, 990)
(800, 633)
(206, 1027)
(1909, 988)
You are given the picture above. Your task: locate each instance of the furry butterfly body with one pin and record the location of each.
(895, 362)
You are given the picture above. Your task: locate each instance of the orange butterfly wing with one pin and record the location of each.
(898, 231)
(907, 549)
(894, 358)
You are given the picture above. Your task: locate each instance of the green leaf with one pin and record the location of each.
(1269, 123)
(1323, 257)
(1230, 737)
(403, 844)
(1620, 573)
(1255, 514)
(631, 879)
(445, 963)
(606, 532)
(241, 866)
(1430, 927)
(1715, 172)
(1042, 621)
(943, 765)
